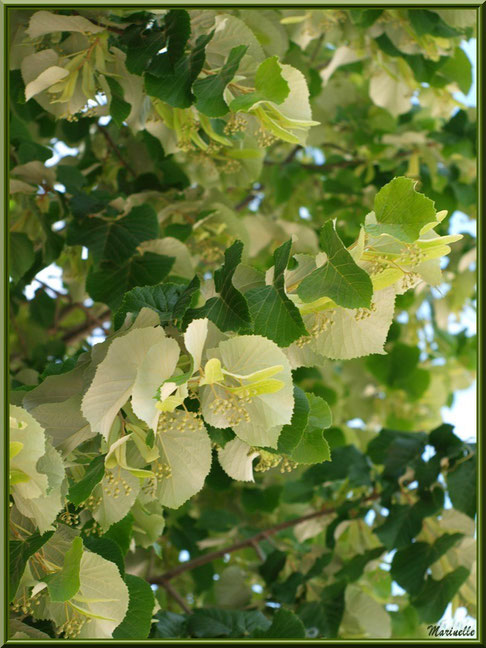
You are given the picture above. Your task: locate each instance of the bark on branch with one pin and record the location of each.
(248, 542)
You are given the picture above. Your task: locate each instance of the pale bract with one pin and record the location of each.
(236, 459)
(123, 373)
(256, 398)
(36, 470)
(184, 458)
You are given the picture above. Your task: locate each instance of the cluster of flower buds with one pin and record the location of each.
(265, 138)
(364, 313)
(23, 604)
(92, 502)
(161, 470)
(287, 465)
(231, 166)
(231, 408)
(113, 485)
(179, 421)
(411, 256)
(267, 460)
(94, 529)
(71, 519)
(72, 626)
(409, 280)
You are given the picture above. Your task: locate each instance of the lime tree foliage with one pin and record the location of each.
(249, 212)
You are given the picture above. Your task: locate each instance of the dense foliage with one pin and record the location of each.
(253, 207)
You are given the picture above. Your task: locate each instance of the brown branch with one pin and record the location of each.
(262, 535)
(248, 198)
(176, 596)
(83, 330)
(292, 154)
(115, 149)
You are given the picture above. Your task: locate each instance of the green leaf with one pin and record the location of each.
(364, 17)
(333, 604)
(169, 300)
(324, 618)
(273, 565)
(401, 375)
(320, 415)
(119, 108)
(107, 549)
(21, 255)
(137, 621)
(172, 82)
(461, 484)
(169, 625)
(177, 27)
(42, 308)
(114, 239)
(217, 520)
(213, 623)
(354, 568)
(396, 450)
(286, 592)
(285, 625)
(261, 499)
(81, 490)
(269, 81)
(340, 278)
(65, 584)
(429, 22)
(108, 282)
(274, 315)
(433, 599)
(71, 177)
(19, 554)
(269, 85)
(445, 442)
(292, 433)
(121, 533)
(401, 211)
(141, 47)
(401, 526)
(209, 91)
(458, 68)
(347, 462)
(229, 311)
(410, 564)
(313, 447)
(231, 590)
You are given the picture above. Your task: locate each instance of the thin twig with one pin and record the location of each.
(115, 149)
(56, 292)
(262, 535)
(258, 550)
(175, 595)
(316, 49)
(83, 330)
(292, 154)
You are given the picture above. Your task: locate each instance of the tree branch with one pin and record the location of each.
(115, 149)
(176, 596)
(209, 557)
(84, 329)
